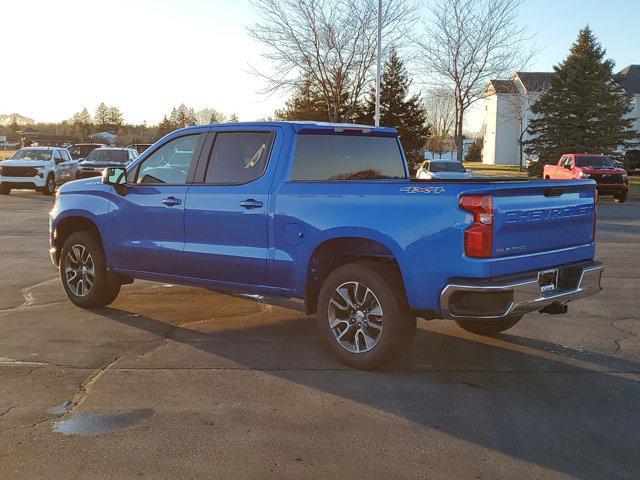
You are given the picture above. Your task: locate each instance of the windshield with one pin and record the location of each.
(32, 154)
(108, 156)
(595, 161)
(446, 167)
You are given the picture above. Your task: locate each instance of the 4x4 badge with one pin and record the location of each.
(433, 190)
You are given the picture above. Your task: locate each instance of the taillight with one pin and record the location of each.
(478, 238)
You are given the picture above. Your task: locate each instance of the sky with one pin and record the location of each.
(146, 56)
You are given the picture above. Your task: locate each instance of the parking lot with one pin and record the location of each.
(173, 382)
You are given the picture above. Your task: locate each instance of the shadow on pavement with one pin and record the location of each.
(506, 395)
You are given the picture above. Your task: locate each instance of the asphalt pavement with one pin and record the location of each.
(175, 382)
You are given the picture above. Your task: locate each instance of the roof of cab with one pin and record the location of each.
(304, 127)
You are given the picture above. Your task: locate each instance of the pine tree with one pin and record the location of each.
(165, 127)
(82, 122)
(115, 118)
(306, 104)
(101, 117)
(398, 109)
(584, 110)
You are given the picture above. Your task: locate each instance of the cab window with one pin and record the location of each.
(170, 163)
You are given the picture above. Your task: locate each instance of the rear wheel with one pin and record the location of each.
(488, 327)
(83, 271)
(620, 197)
(4, 190)
(363, 314)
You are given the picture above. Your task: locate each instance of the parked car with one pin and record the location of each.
(442, 169)
(325, 218)
(9, 145)
(632, 162)
(103, 157)
(37, 168)
(80, 151)
(610, 179)
(140, 147)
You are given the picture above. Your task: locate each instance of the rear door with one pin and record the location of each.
(226, 215)
(146, 225)
(69, 165)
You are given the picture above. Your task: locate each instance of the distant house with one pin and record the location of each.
(508, 113)
(104, 137)
(508, 110)
(31, 136)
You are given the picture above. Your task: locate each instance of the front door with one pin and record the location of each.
(146, 223)
(226, 215)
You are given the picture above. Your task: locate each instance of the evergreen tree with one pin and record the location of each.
(101, 117)
(398, 109)
(82, 122)
(165, 127)
(115, 118)
(584, 110)
(305, 104)
(183, 116)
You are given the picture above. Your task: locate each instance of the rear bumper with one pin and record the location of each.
(611, 189)
(517, 295)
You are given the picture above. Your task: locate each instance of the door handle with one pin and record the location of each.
(171, 201)
(250, 203)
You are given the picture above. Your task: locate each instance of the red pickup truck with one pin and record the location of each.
(610, 180)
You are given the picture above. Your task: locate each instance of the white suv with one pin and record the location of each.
(37, 168)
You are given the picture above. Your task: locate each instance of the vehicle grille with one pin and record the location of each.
(607, 178)
(18, 172)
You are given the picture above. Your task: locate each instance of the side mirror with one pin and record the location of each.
(116, 177)
(468, 170)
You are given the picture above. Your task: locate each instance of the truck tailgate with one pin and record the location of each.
(542, 216)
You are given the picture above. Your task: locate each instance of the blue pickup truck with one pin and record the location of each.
(325, 218)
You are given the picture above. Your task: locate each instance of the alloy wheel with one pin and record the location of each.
(355, 317)
(79, 271)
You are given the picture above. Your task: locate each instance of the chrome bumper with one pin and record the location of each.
(524, 293)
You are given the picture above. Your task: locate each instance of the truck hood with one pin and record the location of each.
(93, 165)
(22, 163)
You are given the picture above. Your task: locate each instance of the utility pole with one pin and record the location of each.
(379, 68)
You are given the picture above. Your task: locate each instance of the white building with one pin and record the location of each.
(508, 111)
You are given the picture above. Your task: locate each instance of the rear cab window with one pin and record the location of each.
(335, 157)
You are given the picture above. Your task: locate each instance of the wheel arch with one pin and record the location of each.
(342, 248)
(71, 224)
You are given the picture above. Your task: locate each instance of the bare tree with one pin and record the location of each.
(469, 42)
(331, 42)
(209, 115)
(441, 116)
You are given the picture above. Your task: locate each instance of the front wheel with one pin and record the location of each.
(488, 327)
(49, 187)
(83, 270)
(620, 197)
(363, 315)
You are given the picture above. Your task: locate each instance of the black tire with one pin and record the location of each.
(488, 327)
(547, 177)
(4, 190)
(102, 292)
(398, 324)
(50, 187)
(620, 198)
